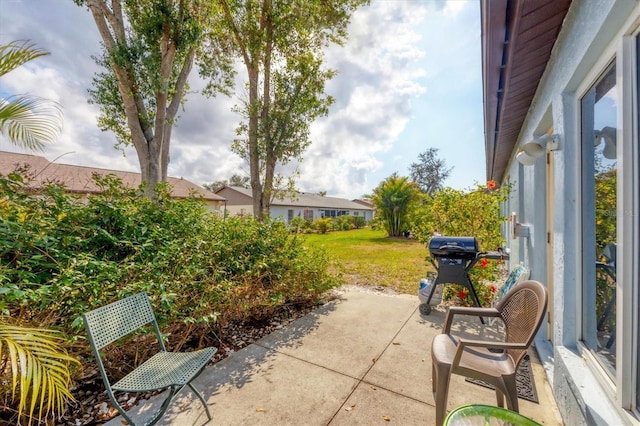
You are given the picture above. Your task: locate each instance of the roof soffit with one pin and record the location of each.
(518, 37)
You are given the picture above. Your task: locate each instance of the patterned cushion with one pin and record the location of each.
(518, 274)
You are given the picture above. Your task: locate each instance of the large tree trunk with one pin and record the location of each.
(252, 63)
(254, 152)
(270, 160)
(150, 140)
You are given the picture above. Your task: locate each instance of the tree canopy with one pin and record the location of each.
(280, 44)
(394, 199)
(235, 180)
(430, 172)
(149, 48)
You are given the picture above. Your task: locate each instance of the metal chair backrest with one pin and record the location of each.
(109, 323)
(522, 309)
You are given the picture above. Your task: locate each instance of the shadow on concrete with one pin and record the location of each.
(237, 370)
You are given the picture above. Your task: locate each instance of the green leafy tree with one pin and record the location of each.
(236, 180)
(605, 189)
(27, 121)
(149, 48)
(281, 44)
(605, 215)
(430, 172)
(215, 185)
(394, 199)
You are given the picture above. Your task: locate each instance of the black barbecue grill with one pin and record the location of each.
(454, 247)
(453, 257)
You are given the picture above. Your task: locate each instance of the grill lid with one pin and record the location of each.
(454, 247)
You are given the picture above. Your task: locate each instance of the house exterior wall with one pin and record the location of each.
(547, 197)
(237, 204)
(215, 206)
(282, 212)
(310, 206)
(238, 210)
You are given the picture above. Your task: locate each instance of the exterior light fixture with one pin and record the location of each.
(608, 135)
(529, 153)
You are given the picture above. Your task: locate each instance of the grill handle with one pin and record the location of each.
(451, 247)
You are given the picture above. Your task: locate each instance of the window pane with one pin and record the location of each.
(599, 193)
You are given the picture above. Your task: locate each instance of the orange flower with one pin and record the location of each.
(491, 184)
(484, 263)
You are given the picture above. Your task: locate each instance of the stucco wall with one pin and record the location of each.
(587, 42)
(283, 211)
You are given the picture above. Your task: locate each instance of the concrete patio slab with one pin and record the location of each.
(405, 367)
(345, 337)
(362, 359)
(372, 405)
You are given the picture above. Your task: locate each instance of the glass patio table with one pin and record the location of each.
(486, 415)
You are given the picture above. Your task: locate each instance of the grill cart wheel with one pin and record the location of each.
(425, 308)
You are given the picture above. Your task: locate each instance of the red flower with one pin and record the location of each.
(462, 294)
(493, 288)
(484, 263)
(491, 184)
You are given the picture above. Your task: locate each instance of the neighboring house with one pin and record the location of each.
(307, 206)
(365, 202)
(562, 93)
(79, 179)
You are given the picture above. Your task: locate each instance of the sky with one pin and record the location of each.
(409, 79)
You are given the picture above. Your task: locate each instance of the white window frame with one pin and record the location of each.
(624, 50)
(629, 230)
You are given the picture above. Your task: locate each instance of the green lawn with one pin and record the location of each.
(368, 257)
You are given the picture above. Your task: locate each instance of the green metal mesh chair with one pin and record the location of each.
(172, 370)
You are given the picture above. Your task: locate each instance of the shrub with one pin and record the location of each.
(323, 225)
(61, 256)
(345, 223)
(463, 296)
(297, 224)
(359, 222)
(474, 212)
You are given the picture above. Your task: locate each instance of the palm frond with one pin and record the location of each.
(39, 367)
(30, 121)
(18, 53)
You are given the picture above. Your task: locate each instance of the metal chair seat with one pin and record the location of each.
(165, 369)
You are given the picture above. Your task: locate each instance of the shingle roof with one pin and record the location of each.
(304, 199)
(79, 179)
